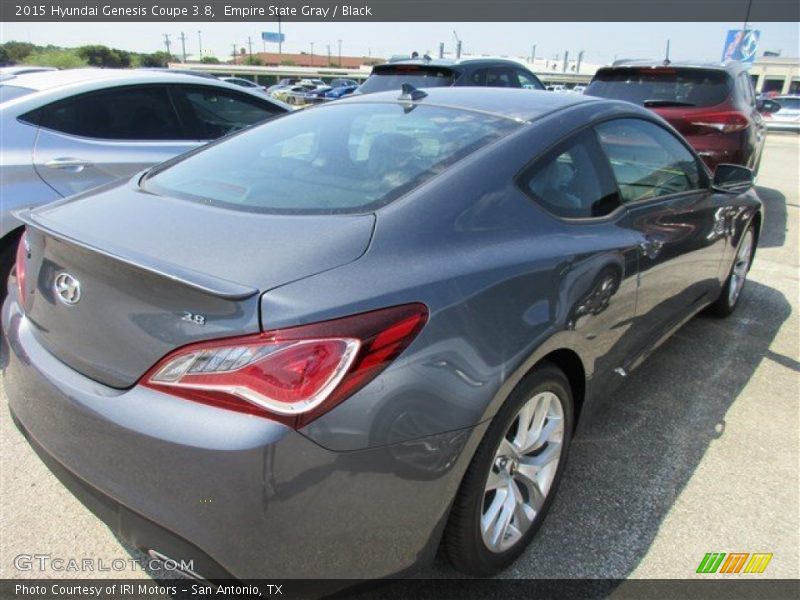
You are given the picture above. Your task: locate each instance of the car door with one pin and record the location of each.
(678, 221)
(597, 284)
(211, 111)
(93, 138)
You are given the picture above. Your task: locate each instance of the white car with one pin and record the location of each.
(788, 117)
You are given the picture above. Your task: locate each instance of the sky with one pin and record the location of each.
(601, 42)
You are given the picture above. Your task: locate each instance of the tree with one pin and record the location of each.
(16, 52)
(253, 61)
(60, 59)
(156, 59)
(98, 55)
(210, 60)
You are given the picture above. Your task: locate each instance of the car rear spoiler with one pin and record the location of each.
(208, 284)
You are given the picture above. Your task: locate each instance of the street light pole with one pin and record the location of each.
(183, 46)
(200, 42)
(312, 54)
(340, 53)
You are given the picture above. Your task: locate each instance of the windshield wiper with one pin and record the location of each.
(658, 102)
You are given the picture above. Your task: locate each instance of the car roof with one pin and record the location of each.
(47, 80)
(454, 62)
(55, 85)
(730, 65)
(513, 103)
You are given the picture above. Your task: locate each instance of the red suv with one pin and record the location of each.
(713, 106)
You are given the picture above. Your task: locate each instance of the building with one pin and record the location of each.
(776, 74)
(303, 59)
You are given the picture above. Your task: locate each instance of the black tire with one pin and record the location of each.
(463, 542)
(8, 254)
(727, 302)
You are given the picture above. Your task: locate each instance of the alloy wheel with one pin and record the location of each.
(740, 267)
(522, 472)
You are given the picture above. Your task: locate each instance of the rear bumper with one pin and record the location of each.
(240, 495)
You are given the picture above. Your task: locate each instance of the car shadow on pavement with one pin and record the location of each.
(773, 232)
(629, 465)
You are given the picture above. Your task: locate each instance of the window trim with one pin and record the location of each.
(39, 111)
(518, 179)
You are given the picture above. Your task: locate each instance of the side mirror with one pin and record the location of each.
(733, 178)
(767, 106)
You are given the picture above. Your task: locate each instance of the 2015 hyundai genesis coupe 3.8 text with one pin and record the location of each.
(329, 344)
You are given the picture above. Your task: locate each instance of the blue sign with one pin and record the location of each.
(741, 45)
(273, 36)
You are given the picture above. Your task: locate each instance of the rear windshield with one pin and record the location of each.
(392, 77)
(336, 159)
(9, 92)
(654, 87)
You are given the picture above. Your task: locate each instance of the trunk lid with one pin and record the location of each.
(156, 273)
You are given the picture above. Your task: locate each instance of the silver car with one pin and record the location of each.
(64, 132)
(787, 118)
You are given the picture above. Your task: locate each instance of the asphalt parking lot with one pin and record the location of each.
(697, 453)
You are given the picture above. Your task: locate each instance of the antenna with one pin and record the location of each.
(409, 92)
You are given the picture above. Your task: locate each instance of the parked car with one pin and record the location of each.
(283, 83)
(292, 95)
(557, 88)
(712, 105)
(339, 92)
(245, 83)
(313, 83)
(338, 82)
(422, 73)
(787, 116)
(316, 95)
(67, 131)
(372, 326)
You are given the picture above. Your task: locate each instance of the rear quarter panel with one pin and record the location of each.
(499, 276)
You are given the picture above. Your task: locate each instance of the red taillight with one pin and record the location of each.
(724, 121)
(290, 375)
(23, 254)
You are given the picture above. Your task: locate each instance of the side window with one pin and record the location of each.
(495, 77)
(125, 113)
(218, 112)
(527, 81)
(573, 180)
(747, 89)
(648, 161)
